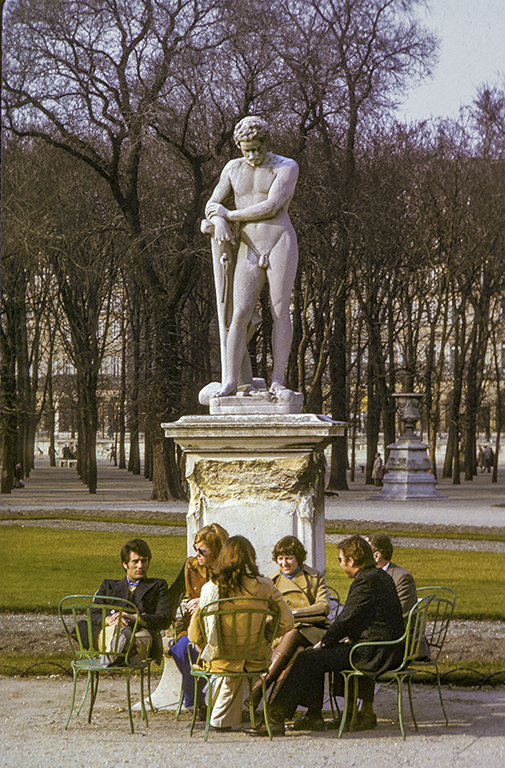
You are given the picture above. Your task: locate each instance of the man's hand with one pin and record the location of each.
(113, 618)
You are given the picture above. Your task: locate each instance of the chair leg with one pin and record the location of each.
(440, 696)
(151, 705)
(209, 709)
(265, 708)
(73, 698)
(409, 684)
(142, 700)
(195, 708)
(347, 680)
(88, 679)
(181, 699)
(93, 692)
(129, 702)
(400, 705)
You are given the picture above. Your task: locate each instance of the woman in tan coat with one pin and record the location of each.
(235, 575)
(304, 590)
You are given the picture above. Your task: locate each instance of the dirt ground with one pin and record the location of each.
(33, 713)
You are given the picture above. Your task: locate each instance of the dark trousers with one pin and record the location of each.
(305, 683)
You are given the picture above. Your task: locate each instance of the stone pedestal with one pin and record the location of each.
(408, 467)
(261, 476)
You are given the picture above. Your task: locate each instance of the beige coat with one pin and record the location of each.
(260, 587)
(309, 599)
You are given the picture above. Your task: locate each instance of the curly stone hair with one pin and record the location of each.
(249, 128)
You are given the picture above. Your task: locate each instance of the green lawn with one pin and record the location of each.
(478, 578)
(44, 564)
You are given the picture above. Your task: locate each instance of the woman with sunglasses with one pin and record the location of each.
(207, 543)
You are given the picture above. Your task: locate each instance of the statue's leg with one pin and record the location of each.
(283, 262)
(248, 281)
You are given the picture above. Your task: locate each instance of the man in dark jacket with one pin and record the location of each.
(151, 596)
(372, 612)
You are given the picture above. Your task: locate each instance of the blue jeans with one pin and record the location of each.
(179, 653)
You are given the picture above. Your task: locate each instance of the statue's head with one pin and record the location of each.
(249, 128)
(251, 137)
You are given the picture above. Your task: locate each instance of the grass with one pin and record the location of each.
(472, 575)
(169, 523)
(44, 565)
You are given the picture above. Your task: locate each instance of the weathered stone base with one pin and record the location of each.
(408, 474)
(259, 476)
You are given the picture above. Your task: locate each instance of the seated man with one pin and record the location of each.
(382, 549)
(151, 596)
(372, 612)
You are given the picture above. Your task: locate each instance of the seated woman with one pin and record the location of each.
(235, 574)
(197, 570)
(304, 590)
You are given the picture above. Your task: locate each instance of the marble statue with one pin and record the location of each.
(262, 184)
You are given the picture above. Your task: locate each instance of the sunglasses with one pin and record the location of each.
(200, 551)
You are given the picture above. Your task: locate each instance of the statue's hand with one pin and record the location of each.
(216, 209)
(222, 232)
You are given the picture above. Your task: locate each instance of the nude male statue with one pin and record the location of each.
(263, 185)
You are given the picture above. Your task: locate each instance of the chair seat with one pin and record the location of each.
(85, 621)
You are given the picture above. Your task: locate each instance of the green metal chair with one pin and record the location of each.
(440, 614)
(412, 640)
(84, 622)
(261, 625)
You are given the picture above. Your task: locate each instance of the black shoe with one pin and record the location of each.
(363, 722)
(221, 729)
(201, 714)
(308, 723)
(276, 729)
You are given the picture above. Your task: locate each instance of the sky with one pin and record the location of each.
(472, 51)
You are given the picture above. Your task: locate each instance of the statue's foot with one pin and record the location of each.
(228, 389)
(276, 387)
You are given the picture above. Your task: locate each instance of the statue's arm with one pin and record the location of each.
(279, 194)
(221, 190)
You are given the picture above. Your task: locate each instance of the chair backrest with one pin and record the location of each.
(440, 613)
(239, 628)
(415, 629)
(335, 603)
(84, 620)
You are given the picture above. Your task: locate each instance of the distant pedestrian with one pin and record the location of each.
(18, 476)
(377, 469)
(489, 456)
(481, 459)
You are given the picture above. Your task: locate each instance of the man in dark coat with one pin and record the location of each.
(372, 612)
(151, 596)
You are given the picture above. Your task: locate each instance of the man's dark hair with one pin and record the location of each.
(290, 545)
(135, 545)
(359, 549)
(381, 543)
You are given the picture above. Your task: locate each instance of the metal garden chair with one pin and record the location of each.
(84, 622)
(233, 644)
(440, 614)
(411, 639)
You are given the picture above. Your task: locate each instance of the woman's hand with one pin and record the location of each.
(192, 605)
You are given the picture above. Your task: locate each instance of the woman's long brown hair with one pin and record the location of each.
(236, 560)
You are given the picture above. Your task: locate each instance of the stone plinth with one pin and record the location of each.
(258, 475)
(408, 467)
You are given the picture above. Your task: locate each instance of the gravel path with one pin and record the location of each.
(467, 545)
